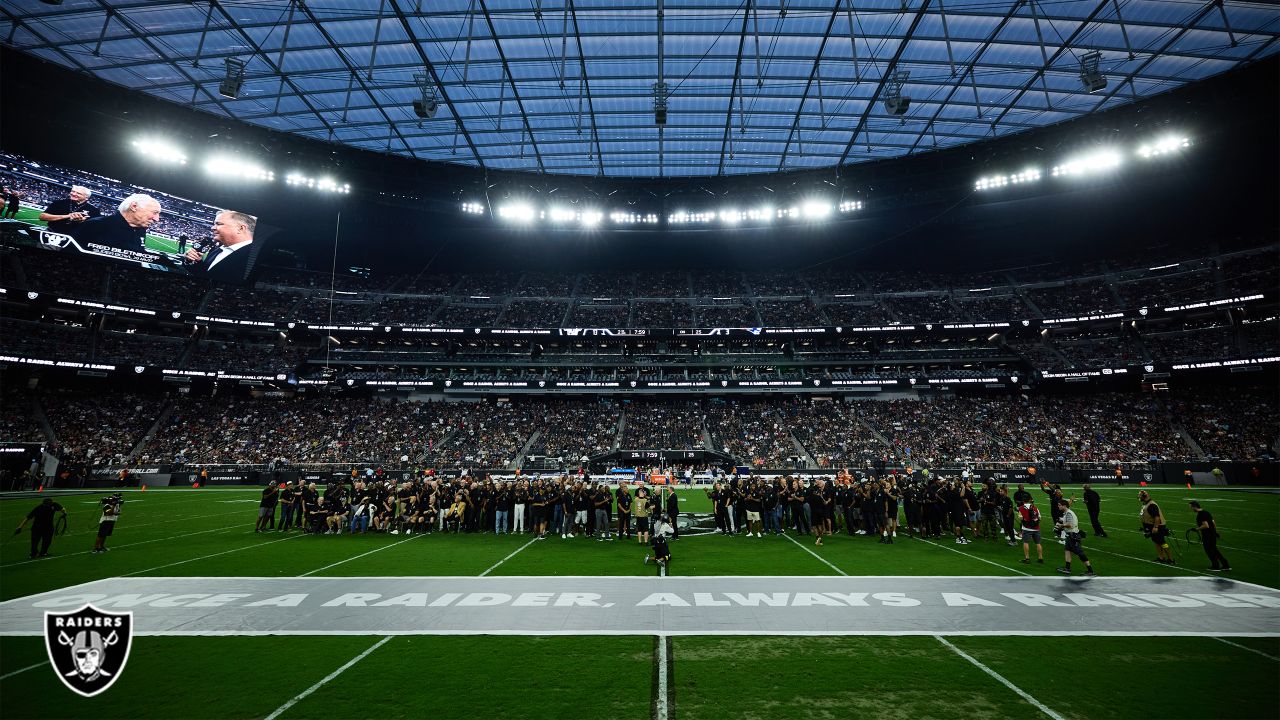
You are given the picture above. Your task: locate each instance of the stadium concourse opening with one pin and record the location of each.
(564, 360)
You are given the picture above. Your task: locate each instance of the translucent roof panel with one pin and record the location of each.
(575, 86)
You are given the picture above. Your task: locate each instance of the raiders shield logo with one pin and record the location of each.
(88, 648)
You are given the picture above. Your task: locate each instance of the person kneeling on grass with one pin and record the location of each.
(661, 551)
(1070, 528)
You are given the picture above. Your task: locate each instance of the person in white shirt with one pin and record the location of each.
(1070, 527)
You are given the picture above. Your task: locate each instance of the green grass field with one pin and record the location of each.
(153, 242)
(165, 533)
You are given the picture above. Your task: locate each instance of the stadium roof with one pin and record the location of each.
(567, 86)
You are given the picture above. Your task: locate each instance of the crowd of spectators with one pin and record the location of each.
(545, 285)
(660, 314)
(229, 430)
(1165, 290)
(924, 308)
(254, 304)
(488, 435)
(44, 340)
(790, 313)
(1230, 424)
(465, 316)
(1073, 299)
(755, 432)
(1204, 343)
(534, 314)
(137, 349)
(17, 421)
(713, 316)
(941, 432)
(834, 438)
(651, 424)
(857, 314)
(233, 356)
(320, 309)
(593, 315)
(406, 311)
(573, 429)
(982, 306)
(98, 429)
(1099, 350)
(131, 285)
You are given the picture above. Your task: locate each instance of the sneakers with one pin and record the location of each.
(646, 559)
(1064, 571)
(1090, 573)
(563, 536)
(894, 533)
(1025, 561)
(1040, 561)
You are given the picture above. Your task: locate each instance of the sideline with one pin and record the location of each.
(118, 547)
(975, 557)
(1021, 693)
(305, 693)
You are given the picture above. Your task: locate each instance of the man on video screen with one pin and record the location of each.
(234, 255)
(67, 215)
(125, 229)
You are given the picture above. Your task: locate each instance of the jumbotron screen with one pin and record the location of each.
(71, 211)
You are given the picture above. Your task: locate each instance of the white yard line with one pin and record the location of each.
(202, 557)
(975, 557)
(1093, 549)
(117, 547)
(6, 676)
(1221, 640)
(661, 708)
(513, 554)
(305, 693)
(1003, 681)
(1229, 547)
(820, 558)
(357, 557)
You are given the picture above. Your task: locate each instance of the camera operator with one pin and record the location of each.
(661, 550)
(41, 517)
(1209, 538)
(111, 505)
(1070, 527)
(1093, 503)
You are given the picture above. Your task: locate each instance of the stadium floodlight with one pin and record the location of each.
(998, 181)
(681, 217)
(324, 184)
(230, 167)
(561, 215)
(473, 208)
(160, 151)
(816, 209)
(517, 212)
(895, 103)
(731, 216)
(1164, 146)
(232, 81)
(763, 213)
(1099, 161)
(590, 218)
(850, 205)
(621, 217)
(789, 212)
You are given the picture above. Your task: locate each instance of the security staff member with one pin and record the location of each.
(41, 517)
(1209, 538)
(1093, 503)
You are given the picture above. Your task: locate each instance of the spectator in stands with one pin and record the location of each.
(126, 229)
(231, 262)
(13, 197)
(66, 215)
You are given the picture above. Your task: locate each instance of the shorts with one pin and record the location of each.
(1159, 535)
(960, 519)
(1031, 537)
(1074, 546)
(538, 515)
(105, 529)
(753, 516)
(580, 517)
(642, 524)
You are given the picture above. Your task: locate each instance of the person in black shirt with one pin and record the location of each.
(1093, 503)
(624, 512)
(67, 215)
(41, 517)
(818, 509)
(267, 506)
(13, 198)
(287, 500)
(673, 512)
(125, 229)
(1209, 538)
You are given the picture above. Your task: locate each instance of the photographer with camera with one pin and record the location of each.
(111, 505)
(1209, 538)
(42, 526)
(1069, 525)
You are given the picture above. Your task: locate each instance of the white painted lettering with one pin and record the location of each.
(1087, 600)
(963, 600)
(484, 600)
(895, 600)
(1222, 600)
(670, 599)
(445, 599)
(850, 599)
(219, 600)
(533, 599)
(571, 599)
(708, 600)
(70, 600)
(405, 600)
(290, 600)
(352, 600)
(1173, 601)
(755, 599)
(811, 599)
(178, 600)
(1035, 600)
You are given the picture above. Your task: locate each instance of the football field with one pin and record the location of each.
(229, 623)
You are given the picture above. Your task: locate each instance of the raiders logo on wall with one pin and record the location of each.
(88, 648)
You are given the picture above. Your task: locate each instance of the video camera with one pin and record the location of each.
(115, 499)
